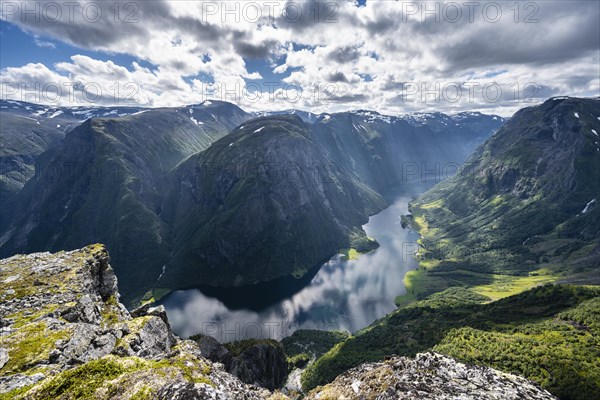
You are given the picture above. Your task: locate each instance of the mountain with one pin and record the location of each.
(181, 198)
(387, 151)
(28, 130)
(523, 208)
(105, 183)
(261, 203)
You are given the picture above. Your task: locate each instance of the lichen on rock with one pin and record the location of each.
(429, 376)
(65, 335)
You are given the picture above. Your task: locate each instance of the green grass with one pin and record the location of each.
(415, 283)
(82, 382)
(429, 279)
(115, 376)
(29, 345)
(351, 254)
(154, 295)
(507, 285)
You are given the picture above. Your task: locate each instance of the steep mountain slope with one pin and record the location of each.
(261, 203)
(105, 184)
(28, 130)
(22, 141)
(526, 201)
(388, 150)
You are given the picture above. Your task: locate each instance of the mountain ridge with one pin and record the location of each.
(138, 153)
(274, 164)
(541, 168)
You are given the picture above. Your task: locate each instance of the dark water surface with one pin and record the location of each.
(346, 295)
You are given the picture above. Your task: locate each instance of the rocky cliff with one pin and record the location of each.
(65, 335)
(429, 376)
(258, 362)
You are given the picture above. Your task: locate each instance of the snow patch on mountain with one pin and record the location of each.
(587, 206)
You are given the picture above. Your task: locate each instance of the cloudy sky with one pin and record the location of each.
(390, 56)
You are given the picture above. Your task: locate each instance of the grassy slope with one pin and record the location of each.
(441, 266)
(511, 219)
(521, 334)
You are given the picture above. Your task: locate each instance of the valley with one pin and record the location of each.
(514, 217)
(313, 200)
(346, 293)
(211, 195)
(349, 237)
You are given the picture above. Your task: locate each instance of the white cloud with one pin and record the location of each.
(372, 57)
(42, 43)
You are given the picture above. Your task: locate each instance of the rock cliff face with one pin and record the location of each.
(430, 376)
(65, 335)
(258, 362)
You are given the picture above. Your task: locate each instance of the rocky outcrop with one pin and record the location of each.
(210, 347)
(66, 335)
(262, 364)
(258, 362)
(429, 376)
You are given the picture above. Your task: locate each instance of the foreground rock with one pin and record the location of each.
(429, 376)
(258, 362)
(65, 335)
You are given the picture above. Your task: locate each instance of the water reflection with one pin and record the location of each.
(346, 295)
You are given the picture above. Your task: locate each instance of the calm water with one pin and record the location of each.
(340, 294)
